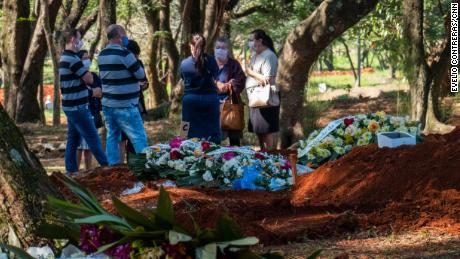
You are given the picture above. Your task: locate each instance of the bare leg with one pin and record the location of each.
(269, 141)
(122, 148)
(261, 141)
(79, 155)
(88, 159)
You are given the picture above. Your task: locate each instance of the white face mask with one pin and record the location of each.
(87, 63)
(251, 45)
(221, 54)
(79, 45)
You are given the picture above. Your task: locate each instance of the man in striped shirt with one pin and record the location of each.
(120, 73)
(73, 78)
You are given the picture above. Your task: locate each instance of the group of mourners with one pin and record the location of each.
(209, 80)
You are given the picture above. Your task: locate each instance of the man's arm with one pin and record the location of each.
(133, 66)
(88, 78)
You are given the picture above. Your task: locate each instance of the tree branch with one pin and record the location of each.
(249, 11)
(88, 22)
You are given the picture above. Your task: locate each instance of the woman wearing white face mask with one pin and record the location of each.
(95, 107)
(261, 72)
(230, 77)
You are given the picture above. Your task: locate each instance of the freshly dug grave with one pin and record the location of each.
(380, 189)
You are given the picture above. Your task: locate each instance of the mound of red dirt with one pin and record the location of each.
(370, 176)
(369, 188)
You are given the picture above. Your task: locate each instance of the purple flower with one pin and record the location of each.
(176, 142)
(92, 237)
(120, 252)
(89, 238)
(228, 155)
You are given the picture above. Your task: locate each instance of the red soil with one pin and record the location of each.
(382, 189)
(341, 72)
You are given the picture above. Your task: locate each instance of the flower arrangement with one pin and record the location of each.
(152, 234)
(352, 131)
(195, 161)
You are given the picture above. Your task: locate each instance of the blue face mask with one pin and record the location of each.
(125, 40)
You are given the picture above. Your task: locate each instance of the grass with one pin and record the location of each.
(346, 82)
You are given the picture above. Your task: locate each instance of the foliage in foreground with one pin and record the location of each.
(152, 233)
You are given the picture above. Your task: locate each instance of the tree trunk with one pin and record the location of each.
(168, 43)
(54, 58)
(14, 42)
(70, 18)
(325, 24)
(187, 29)
(27, 108)
(214, 19)
(157, 91)
(329, 58)
(352, 66)
(416, 68)
(358, 76)
(93, 46)
(108, 13)
(423, 78)
(24, 186)
(41, 96)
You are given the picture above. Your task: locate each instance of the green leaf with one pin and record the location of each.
(176, 237)
(165, 211)
(227, 229)
(98, 219)
(17, 251)
(315, 254)
(133, 216)
(208, 251)
(105, 247)
(83, 194)
(247, 241)
(71, 209)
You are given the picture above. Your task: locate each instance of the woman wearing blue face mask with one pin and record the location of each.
(95, 109)
(230, 78)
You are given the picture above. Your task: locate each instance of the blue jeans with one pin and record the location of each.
(127, 120)
(81, 125)
(203, 113)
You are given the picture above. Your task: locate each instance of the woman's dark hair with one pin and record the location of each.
(81, 53)
(199, 43)
(266, 40)
(133, 46)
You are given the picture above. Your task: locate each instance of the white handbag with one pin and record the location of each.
(263, 96)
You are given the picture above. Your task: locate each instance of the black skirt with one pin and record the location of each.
(264, 120)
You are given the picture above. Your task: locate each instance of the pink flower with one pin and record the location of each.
(176, 142)
(259, 156)
(348, 121)
(205, 145)
(175, 154)
(228, 155)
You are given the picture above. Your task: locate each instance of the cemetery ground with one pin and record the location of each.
(339, 208)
